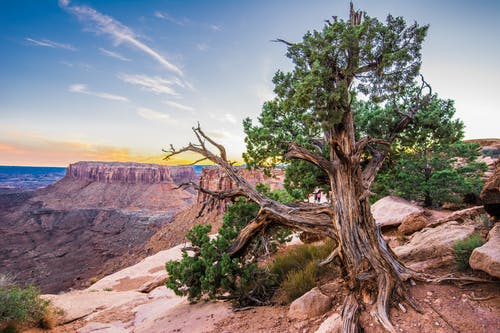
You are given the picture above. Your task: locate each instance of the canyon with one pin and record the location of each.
(60, 236)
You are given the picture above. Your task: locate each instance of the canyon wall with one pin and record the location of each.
(129, 173)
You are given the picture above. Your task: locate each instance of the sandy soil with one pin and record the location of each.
(446, 308)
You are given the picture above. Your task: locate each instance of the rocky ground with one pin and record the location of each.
(135, 300)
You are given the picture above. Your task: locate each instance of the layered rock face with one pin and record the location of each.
(60, 236)
(130, 173)
(214, 179)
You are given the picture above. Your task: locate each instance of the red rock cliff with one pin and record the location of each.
(215, 179)
(129, 173)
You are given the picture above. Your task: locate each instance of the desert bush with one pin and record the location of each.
(207, 271)
(484, 220)
(21, 306)
(298, 282)
(297, 270)
(462, 249)
(298, 257)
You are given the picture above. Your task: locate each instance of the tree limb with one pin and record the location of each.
(279, 40)
(302, 218)
(299, 152)
(364, 141)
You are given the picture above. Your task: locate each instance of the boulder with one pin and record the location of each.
(433, 247)
(312, 304)
(413, 223)
(490, 195)
(390, 211)
(331, 325)
(487, 257)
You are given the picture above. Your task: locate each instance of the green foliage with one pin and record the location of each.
(382, 57)
(485, 221)
(297, 269)
(428, 162)
(442, 173)
(298, 282)
(211, 273)
(20, 307)
(462, 249)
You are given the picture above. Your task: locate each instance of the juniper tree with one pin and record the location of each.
(311, 120)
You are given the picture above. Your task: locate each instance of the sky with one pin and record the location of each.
(121, 80)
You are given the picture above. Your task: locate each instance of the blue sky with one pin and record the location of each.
(120, 80)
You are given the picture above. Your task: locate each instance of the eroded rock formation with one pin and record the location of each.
(216, 180)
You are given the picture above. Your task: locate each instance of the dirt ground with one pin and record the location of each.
(446, 308)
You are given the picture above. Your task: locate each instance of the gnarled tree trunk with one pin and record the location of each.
(372, 268)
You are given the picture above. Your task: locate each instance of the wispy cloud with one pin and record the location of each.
(83, 89)
(154, 84)
(215, 27)
(153, 115)
(81, 65)
(202, 46)
(229, 118)
(113, 54)
(104, 24)
(50, 43)
(179, 106)
(167, 17)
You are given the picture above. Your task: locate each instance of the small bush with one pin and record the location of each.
(21, 307)
(298, 257)
(485, 221)
(297, 270)
(298, 282)
(462, 250)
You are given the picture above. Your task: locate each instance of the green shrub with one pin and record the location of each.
(298, 269)
(21, 307)
(209, 272)
(298, 282)
(462, 249)
(298, 257)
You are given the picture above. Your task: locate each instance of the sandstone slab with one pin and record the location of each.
(94, 327)
(311, 304)
(81, 304)
(432, 247)
(487, 257)
(391, 210)
(142, 277)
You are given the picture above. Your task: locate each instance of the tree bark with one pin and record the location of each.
(372, 267)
